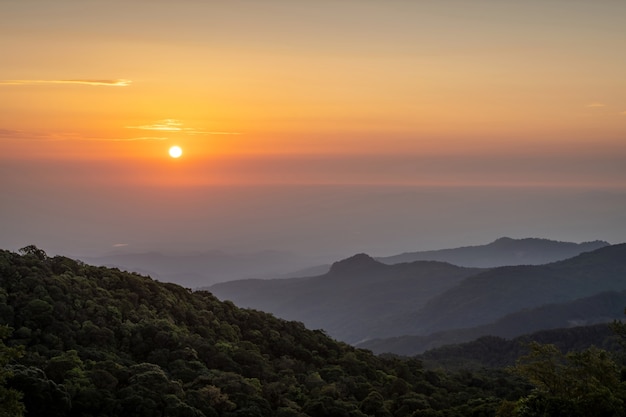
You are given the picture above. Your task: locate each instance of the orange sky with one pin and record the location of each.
(294, 78)
(397, 92)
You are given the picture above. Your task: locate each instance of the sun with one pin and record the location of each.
(175, 152)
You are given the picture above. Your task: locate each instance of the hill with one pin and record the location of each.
(361, 298)
(501, 252)
(602, 308)
(354, 300)
(99, 341)
(492, 294)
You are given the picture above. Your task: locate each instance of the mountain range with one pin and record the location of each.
(501, 252)
(204, 268)
(357, 295)
(590, 311)
(361, 298)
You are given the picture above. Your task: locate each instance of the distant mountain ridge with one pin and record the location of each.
(361, 298)
(504, 251)
(597, 309)
(501, 252)
(201, 269)
(492, 294)
(356, 295)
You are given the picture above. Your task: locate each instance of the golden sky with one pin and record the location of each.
(252, 82)
(449, 93)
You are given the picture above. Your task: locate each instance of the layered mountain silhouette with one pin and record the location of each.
(590, 311)
(201, 269)
(501, 252)
(357, 294)
(361, 298)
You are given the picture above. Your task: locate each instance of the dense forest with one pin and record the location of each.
(79, 340)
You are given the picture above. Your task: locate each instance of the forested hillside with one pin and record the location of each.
(101, 342)
(498, 352)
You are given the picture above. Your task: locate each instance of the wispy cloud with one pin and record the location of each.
(215, 133)
(595, 104)
(9, 134)
(136, 139)
(119, 245)
(156, 132)
(173, 125)
(106, 83)
(623, 113)
(166, 125)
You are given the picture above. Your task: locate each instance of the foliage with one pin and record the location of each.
(10, 399)
(498, 352)
(583, 383)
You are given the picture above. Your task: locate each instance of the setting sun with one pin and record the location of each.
(175, 152)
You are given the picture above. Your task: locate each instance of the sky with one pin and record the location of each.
(327, 127)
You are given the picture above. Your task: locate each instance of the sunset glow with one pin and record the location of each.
(300, 93)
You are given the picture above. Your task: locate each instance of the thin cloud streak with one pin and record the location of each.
(106, 83)
(595, 105)
(19, 135)
(173, 125)
(167, 125)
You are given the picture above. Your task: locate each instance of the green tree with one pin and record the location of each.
(32, 250)
(574, 384)
(10, 399)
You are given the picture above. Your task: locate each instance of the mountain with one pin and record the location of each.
(198, 269)
(79, 340)
(202, 269)
(601, 308)
(492, 294)
(354, 300)
(502, 252)
(361, 298)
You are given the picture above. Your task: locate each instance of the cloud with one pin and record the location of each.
(119, 245)
(135, 139)
(596, 104)
(623, 113)
(8, 133)
(167, 125)
(173, 125)
(107, 83)
(20, 135)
